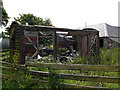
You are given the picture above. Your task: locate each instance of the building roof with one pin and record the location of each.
(106, 30)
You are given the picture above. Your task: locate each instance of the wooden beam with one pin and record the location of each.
(78, 77)
(55, 46)
(50, 28)
(75, 67)
(21, 46)
(72, 86)
(62, 84)
(30, 41)
(19, 78)
(43, 28)
(5, 64)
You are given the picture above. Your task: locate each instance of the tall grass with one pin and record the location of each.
(106, 57)
(110, 56)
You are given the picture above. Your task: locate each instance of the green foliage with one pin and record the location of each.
(110, 56)
(31, 19)
(94, 84)
(17, 78)
(23, 82)
(4, 15)
(5, 18)
(106, 57)
(53, 80)
(3, 35)
(86, 60)
(46, 41)
(6, 33)
(22, 79)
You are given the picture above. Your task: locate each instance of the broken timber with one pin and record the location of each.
(86, 41)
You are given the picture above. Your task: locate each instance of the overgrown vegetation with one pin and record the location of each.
(53, 80)
(106, 57)
(20, 79)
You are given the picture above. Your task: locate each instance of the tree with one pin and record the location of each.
(4, 15)
(31, 19)
(6, 33)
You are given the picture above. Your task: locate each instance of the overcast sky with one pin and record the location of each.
(67, 13)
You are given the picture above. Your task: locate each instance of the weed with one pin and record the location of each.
(53, 80)
(106, 57)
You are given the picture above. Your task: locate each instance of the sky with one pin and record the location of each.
(66, 13)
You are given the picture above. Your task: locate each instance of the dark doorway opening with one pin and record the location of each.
(101, 43)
